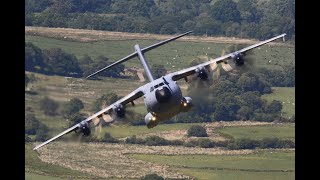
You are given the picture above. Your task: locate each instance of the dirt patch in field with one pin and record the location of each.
(110, 160)
(83, 35)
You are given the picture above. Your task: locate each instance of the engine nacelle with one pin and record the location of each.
(238, 58)
(119, 110)
(84, 128)
(186, 104)
(202, 73)
(151, 120)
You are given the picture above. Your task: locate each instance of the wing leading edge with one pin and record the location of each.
(191, 70)
(123, 101)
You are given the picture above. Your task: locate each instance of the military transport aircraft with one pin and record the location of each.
(162, 97)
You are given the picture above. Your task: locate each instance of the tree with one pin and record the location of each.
(31, 124)
(225, 10)
(34, 127)
(73, 106)
(270, 143)
(105, 100)
(108, 138)
(168, 28)
(156, 141)
(205, 143)
(252, 100)
(42, 133)
(101, 62)
(274, 107)
(48, 106)
(34, 58)
(245, 143)
(152, 177)
(249, 81)
(62, 63)
(197, 131)
(245, 113)
(76, 118)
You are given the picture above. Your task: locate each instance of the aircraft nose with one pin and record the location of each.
(163, 95)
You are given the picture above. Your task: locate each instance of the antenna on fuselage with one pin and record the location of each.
(142, 51)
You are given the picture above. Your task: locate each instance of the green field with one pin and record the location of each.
(125, 131)
(201, 174)
(281, 131)
(265, 164)
(34, 164)
(32, 176)
(173, 56)
(286, 95)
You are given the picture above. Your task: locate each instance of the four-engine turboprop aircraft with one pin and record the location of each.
(162, 97)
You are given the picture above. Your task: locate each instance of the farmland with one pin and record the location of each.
(281, 131)
(62, 160)
(286, 96)
(260, 164)
(174, 56)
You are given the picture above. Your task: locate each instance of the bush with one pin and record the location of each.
(108, 138)
(42, 135)
(156, 141)
(48, 106)
(176, 143)
(134, 140)
(76, 118)
(205, 143)
(31, 124)
(27, 138)
(197, 131)
(269, 143)
(286, 144)
(243, 143)
(72, 107)
(152, 177)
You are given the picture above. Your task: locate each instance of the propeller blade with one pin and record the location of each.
(226, 66)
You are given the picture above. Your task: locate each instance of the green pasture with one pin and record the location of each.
(125, 131)
(34, 164)
(263, 164)
(286, 95)
(174, 56)
(206, 174)
(281, 131)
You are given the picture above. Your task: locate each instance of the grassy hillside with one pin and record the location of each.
(286, 95)
(125, 131)
(34, 165)
(266, 164)
(281, 131)
(179, 54)
(173, 56)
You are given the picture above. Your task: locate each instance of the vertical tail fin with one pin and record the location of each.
(135, 54)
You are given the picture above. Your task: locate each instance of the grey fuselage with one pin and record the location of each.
(170, 106)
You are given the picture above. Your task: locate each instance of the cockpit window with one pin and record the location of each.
(161, 84)
(156, 86)
(151, 89)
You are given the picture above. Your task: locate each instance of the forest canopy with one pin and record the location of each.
(242, 18)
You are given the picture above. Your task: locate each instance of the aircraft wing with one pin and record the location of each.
(123, 101)
(191, 70)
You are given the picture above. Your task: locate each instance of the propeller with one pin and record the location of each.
(205, 76)
(241, 62)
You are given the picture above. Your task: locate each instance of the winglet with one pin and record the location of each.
(283, 37)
